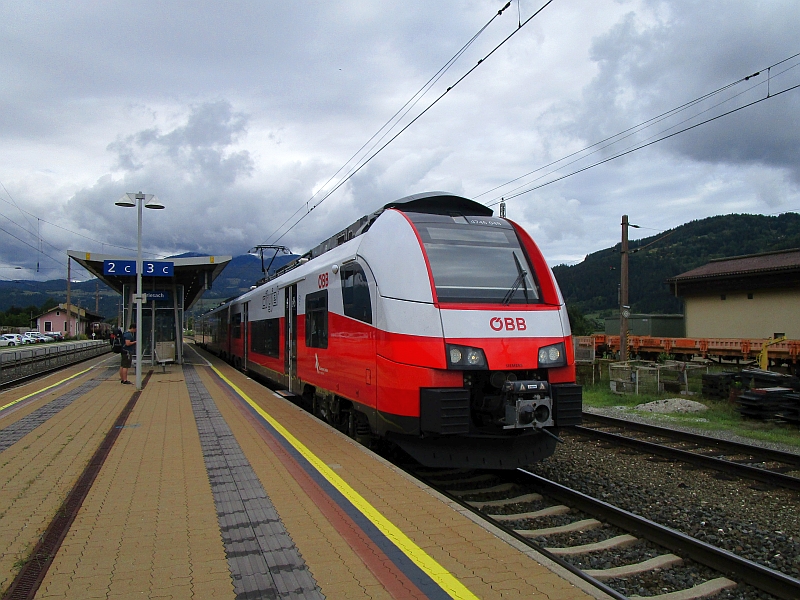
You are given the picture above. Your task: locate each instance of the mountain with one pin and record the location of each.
(237, 277)
(591, 286)
(240, 274)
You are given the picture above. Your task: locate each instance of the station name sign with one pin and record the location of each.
(150, 268)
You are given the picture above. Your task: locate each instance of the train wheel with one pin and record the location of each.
(358, 428)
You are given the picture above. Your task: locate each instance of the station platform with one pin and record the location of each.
(208, 485)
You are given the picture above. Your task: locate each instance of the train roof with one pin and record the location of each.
(436, 203)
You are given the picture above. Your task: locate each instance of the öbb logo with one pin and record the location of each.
(508, 323)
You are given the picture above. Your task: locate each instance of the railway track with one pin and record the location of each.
(772, 467)
(25, 363)
(619, 552)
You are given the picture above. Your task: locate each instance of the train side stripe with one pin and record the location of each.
(49, 387)
(443, 578)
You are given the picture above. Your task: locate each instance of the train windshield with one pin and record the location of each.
(478, 263)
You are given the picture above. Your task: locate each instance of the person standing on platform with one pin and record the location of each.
(128, 348)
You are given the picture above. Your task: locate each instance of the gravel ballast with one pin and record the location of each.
(762, 525)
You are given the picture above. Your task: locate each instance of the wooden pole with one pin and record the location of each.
(624, 309)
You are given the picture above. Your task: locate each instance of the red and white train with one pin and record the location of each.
(429, 323)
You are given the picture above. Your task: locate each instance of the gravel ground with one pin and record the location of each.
(760, 524)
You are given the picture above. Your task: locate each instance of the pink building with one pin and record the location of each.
(80, 321)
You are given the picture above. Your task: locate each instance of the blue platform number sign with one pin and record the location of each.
(150, 268)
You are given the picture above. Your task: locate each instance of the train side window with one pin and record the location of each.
(266, 337)
(317, 319)
(355, 293)
(236, 326)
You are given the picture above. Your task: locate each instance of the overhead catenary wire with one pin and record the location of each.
(630, 130)
(26, 212)
(392, 122)
(769, 96)
(431, 105)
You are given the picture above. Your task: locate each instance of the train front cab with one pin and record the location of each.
(446, 334)
(475, 363)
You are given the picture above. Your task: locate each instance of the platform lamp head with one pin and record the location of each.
(132, 200)
(129, 200)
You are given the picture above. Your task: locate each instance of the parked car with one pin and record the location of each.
(40, 337)
(30, 339)
(14, 339)
(5, 341)
(56, 335)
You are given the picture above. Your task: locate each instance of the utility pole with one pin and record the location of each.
(97, 297)
(69, 308)
(624, 309)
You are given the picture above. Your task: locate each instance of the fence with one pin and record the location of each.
(38, 358)
(641, 377)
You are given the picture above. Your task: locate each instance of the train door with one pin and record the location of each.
(245, 334)
(228, 335)
(290, 320)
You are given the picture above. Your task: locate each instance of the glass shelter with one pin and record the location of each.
(167, 296)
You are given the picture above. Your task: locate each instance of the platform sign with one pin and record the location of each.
(150, 268)
(158, 296)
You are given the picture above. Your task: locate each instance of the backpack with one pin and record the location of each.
(117, 343)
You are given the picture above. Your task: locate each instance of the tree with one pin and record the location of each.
(578, 323)
(48, 304)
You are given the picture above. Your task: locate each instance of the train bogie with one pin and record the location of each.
(429, 323)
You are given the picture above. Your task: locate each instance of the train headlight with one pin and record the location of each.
(464, 357)
(552, 356)
(455, 355)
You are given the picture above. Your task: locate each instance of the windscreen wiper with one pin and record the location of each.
(519, 280)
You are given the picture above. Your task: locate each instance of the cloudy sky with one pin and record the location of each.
(235, 114)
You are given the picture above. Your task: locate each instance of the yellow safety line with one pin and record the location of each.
(2, 408)
(422, 559)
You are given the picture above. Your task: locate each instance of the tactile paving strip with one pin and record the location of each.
(262, 557)
(16, 431)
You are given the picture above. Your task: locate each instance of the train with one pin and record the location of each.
(430, 324)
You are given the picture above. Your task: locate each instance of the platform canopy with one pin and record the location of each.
(196, 274)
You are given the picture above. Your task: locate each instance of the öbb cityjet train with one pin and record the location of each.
(429, 323)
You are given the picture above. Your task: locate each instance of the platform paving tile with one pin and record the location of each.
(328, 555)
(446, 531)
(25, 407)
(135, 537)
(37, 471)
(11, 433)
(262, 556)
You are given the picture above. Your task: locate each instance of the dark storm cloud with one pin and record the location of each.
(690, 49)
(199, 147)
(234, 114)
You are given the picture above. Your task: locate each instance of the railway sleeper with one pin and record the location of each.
(616, 542)
(659, 562)
(550, 511)
(533, 497)
(707, 589)
(583, 525)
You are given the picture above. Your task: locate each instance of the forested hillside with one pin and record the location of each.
(588, 287)
(591, 286)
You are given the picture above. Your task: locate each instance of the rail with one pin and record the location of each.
(33, 360)
(766, 579)
(705, 452)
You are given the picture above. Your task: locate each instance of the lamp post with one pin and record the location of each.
(149, 201)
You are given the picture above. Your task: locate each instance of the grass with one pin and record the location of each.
(720, 416)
